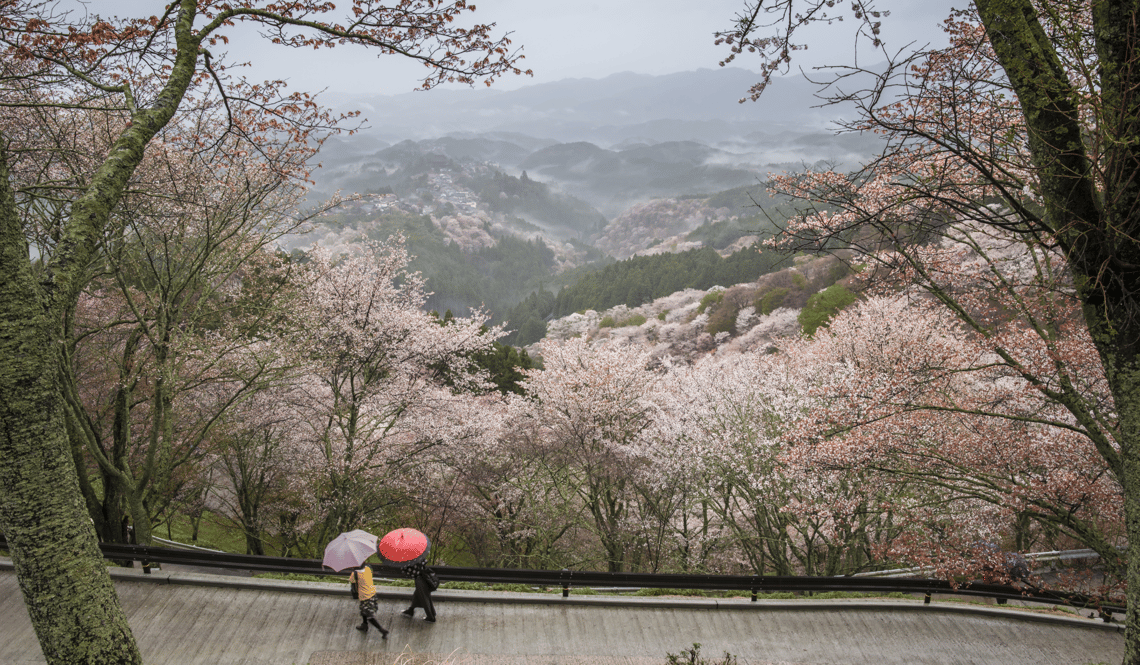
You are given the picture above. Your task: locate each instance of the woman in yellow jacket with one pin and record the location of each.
(361, 580)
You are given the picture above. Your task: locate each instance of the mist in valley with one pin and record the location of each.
(501, 195)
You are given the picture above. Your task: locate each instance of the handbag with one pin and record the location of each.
(353, 589)
(431, 579)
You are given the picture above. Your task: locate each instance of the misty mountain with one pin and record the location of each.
(508, 198)
(610, 180)
(613, 180)
(614, 142)
(698, 105)
(450, 176)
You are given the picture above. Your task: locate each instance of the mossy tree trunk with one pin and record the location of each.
(1096, 223)
(66, 588)
(68, 593)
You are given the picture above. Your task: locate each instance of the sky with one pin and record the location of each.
(568, 39)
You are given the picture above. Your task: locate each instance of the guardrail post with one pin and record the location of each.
(926, 600)
(754, 595)
(1001, 601)
(565, 586)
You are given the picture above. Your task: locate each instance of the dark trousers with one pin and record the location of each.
(422, 597)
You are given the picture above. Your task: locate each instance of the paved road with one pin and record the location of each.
(187, 620)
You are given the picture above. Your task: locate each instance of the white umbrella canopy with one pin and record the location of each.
(349, 550)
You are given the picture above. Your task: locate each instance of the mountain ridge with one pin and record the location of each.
(596, 110)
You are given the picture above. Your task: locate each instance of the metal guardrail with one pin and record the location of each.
(566, 579)
(1035, 557)
(183, 546)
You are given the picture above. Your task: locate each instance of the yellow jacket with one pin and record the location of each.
(365, 589)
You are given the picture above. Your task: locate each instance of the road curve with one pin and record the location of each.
(185, 619)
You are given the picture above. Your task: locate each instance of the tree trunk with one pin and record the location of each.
(1096, 230)
(1131, 484)
(253, 543)
(140, 518)
(1116, 333)
(70, 599)
(69, 594)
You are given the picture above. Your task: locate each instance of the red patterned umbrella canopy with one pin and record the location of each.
(403, 547)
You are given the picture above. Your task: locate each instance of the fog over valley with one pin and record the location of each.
(587, 171)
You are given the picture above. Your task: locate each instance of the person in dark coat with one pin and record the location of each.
(426, 582)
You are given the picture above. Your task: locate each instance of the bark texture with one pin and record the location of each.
(1097, 224)
(69, 594)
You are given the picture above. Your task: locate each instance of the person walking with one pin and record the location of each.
(426, 582)
(365, 591)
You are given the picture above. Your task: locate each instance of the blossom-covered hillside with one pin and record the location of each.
(660, 223)
(740, 318)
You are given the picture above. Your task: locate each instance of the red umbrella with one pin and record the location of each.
(403, 547)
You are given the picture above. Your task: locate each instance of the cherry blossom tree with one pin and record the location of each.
(927, 402)
(255, 454)
(781, 513)
(1030, 108)
(384, 382)
(518, 510)
(148, 69)
(672, 521)
(194, 234)
(590, 408)
(920, 215)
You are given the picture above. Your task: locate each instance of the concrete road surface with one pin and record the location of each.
(184, 619)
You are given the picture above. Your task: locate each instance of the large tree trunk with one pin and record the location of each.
(1112, 312)
(1097, 230)
(67, 590)
(69, 595)
(1131, 483)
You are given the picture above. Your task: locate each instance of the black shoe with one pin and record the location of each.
(363, 627)
(429, 619)
(409, 612)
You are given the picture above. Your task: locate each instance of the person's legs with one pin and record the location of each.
(417, 599)
(368, 616)
(423, 595)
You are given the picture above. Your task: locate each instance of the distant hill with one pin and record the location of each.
(613, 180)
(700, 105)
(721, 221)
(612, 142)
(609, 180)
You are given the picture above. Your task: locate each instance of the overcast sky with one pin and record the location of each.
(569, 39)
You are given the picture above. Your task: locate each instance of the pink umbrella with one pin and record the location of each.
(349, 550)
(403, 547)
